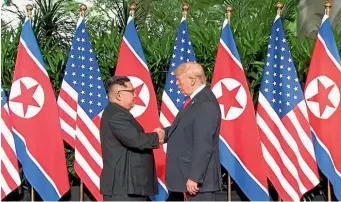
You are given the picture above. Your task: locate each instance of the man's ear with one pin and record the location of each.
(118, 96)
(192, 82)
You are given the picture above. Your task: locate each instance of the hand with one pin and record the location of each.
(161, 133)
(192, 187)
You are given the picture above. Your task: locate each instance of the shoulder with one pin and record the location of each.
(207, 98)
(207, 105)
(109, 111)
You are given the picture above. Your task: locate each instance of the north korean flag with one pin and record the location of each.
(35, 121)
(322, 94)
(240, 146)
(132, 63)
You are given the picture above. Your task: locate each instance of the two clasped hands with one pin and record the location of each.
(192, 187)
(161, 133)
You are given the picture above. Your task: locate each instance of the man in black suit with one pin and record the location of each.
(192, 162)
(129, 172)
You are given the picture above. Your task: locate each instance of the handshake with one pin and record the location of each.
(161, 133)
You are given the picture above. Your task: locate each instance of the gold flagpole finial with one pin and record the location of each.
(29, 9)
(327, 5)
(83, 9)
(228, 12)
(279, 7)
(132, 9)
(185, 8)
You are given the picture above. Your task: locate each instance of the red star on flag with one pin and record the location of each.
(138, 100)
(321, 97)
(228, 98)
(26, 97)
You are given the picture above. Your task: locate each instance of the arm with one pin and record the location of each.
(205, 126)
(166, 133)
(128, 134)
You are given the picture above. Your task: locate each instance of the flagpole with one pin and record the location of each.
(132, 9)
(32, 193)
(327, 10)
(185, 8)
(29, 9)
(229, 191)
(229, 187)
(83, 8)
(279, 7)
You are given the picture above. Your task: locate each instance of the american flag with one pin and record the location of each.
(10, 178)
(172, 99)
(81, 101)
(282, 118)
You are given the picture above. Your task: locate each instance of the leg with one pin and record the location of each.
(201, 196)
(125, 198)
(175, 196)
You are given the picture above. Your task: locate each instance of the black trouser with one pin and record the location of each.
(129, 197)
(201, 196)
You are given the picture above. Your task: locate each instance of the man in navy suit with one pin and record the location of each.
(192, 162)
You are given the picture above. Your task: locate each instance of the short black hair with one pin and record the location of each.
(117, 80)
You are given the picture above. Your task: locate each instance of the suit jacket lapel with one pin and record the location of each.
(186, 109)
(180, 115)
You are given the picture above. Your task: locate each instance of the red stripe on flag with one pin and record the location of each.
(302, 150)
(67, 118)
(88, 134)
(3, 195)
(97, 121)
(9, 152)
(304, 123)
(275, 155)
(8, 178)
(277, 184)
(70, 121)
(292, 156)
(88, 182)
(167, 113)
(68, 139)
(69, 100)
(6, 118)
(306, 155)
(89, 159)
(283, 169)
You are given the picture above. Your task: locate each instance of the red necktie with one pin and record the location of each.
(188, 99)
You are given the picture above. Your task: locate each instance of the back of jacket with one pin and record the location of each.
(128, 164)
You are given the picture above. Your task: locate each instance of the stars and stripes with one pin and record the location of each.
(239, 145)
(10, 178)
(81, 102)
(172, 98)
(282, 118)
(322, 94)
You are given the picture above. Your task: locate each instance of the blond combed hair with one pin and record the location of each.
(192, 70)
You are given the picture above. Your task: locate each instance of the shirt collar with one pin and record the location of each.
(197, 91)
